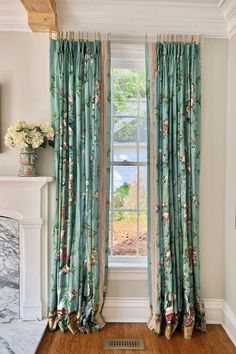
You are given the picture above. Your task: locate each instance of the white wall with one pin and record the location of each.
(212, 181)
(24, 80)
(24, 85)
(230, 202)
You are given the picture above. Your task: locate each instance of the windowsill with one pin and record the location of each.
(127, 262)
(127, 268)
(116, 265)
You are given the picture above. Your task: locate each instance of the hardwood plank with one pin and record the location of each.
(214, 341)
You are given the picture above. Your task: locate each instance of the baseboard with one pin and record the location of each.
(214, 311)
(31, 310)
(130, 309)
(126, 309)
(229, 322)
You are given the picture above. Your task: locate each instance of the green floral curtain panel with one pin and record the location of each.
(173, 95)
(80, 105)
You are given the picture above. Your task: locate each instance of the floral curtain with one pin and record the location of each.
(173, 96)
(80, 105)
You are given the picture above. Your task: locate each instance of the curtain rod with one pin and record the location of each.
(79, 35)
(185, 38)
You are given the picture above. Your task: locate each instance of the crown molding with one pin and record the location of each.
(220, 3)
(228, 8)
(13, 23)
(129, 20)
(131, 32)
(177, 3)
(13, 16)
(132, 19)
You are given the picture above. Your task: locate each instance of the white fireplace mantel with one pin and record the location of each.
(26, 199)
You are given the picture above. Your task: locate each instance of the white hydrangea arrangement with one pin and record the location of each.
(29, 135)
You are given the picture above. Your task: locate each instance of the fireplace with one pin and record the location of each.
(24, 219)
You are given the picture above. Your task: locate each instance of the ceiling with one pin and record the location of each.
(133, 18)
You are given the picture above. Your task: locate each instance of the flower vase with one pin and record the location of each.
(28, 160)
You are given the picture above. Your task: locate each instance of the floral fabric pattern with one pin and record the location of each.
(76, 89)
(175, 76)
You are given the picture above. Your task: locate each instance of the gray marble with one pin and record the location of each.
(21, 337)
(9, 269)
(16, 336)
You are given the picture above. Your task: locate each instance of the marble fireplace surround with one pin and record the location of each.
(26, 199)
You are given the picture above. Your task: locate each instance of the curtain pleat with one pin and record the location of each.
(173, 107)
(80, 88)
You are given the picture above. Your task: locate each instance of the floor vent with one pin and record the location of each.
(124, 344)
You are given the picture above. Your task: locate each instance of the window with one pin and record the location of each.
(128, 197)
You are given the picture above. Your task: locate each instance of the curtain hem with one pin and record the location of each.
(158, 324)
(75, 324)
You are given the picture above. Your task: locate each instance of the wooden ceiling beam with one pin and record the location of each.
(42, 15)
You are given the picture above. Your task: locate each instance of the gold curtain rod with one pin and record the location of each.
(77, 35)
(183, 38)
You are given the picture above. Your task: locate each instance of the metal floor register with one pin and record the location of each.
(124, 344)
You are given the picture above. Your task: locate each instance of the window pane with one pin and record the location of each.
(124, 233)
(143, 107)
(142, 84)
(110, 234)
(142, 187)
(124, 187)
(124, 153)
(142, 237)
(143, 130)
(125, 130)
(142, 92)
(125, 139)
(125, 92)
(142, 153)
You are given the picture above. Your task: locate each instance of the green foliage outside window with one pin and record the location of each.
(127, 84)
(119, 195)
(125, 88)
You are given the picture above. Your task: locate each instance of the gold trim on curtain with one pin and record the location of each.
(102, 194)
(153, 320)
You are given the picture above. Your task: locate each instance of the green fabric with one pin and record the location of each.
(75, 71)
(177, 146)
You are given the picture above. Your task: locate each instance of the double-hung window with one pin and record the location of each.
(128, 195)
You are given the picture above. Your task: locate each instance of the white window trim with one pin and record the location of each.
(127, 56)
(127, 271)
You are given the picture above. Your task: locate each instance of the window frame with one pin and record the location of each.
(132, 57)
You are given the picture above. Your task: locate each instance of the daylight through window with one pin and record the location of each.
(128, 207)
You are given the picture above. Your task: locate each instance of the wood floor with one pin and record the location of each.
(214, 341)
